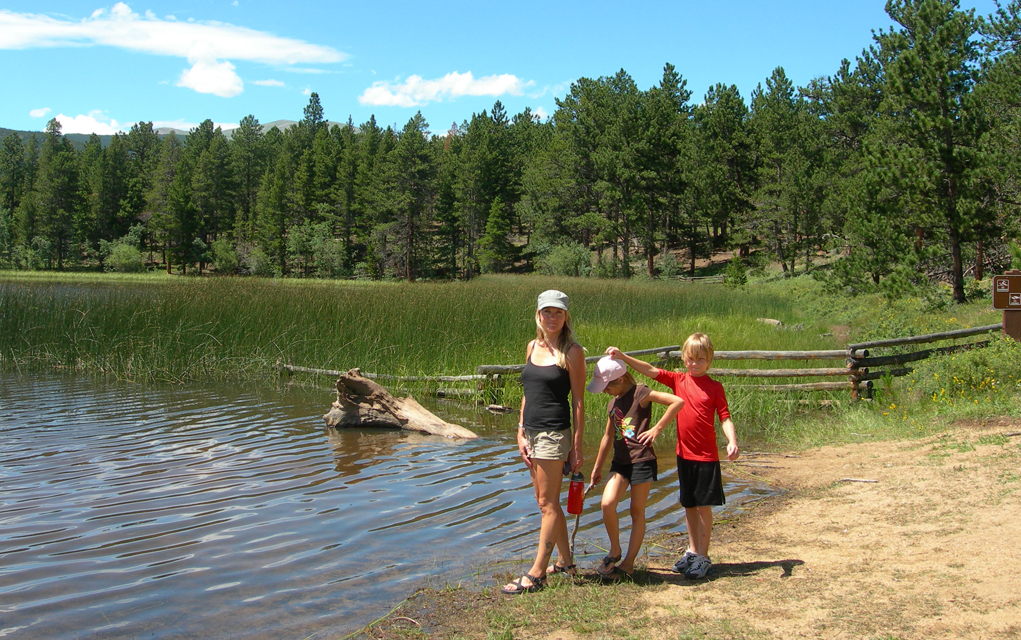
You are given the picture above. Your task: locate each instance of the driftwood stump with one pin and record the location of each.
(364, 403)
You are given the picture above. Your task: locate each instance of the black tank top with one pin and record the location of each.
(546, 391)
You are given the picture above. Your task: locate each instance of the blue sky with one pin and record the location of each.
(104, 66)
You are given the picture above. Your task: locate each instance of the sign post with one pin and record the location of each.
(1007, 296)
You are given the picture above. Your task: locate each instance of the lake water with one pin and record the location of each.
(133, 511)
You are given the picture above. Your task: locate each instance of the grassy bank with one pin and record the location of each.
(161, 328)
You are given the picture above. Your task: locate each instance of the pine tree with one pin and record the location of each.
(58, 192)
(931, 123)
(496, 253)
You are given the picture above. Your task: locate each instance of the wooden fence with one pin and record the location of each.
(717, 279)
(857, 372)
(860, 367)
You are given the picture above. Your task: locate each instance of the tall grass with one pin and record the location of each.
(225, 327)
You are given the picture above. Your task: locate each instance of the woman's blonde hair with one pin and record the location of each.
(699, 344)
(565, 342)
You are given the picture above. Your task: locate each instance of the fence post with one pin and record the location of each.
(1012, 317)
(492, 388)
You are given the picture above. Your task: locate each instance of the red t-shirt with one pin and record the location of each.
(696, 423)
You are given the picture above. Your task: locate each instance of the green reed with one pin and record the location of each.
(160, 328)
(190, 328)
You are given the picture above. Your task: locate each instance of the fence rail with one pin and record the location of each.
(721, 278)
(859, 370)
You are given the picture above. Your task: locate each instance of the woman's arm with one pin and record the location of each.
(576, 370)
(673, 406)
(641, 366)
(522, 441)
(604, 450)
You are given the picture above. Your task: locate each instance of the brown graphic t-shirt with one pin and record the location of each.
(630, 419)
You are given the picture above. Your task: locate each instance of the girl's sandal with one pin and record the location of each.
(604, 567)
(517, 587)
(617, 574)
(569, 569)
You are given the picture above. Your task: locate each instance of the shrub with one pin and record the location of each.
(225, 257)
(669, 266)
(125, 258)
(735, 272)
(567, 259)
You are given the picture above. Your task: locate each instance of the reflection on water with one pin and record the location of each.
(132, 511)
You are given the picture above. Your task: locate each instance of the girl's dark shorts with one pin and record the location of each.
(701, 483)
(637, 473)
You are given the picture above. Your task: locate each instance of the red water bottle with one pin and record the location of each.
(576, 494)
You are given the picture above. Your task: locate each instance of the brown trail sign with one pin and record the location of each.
(1007, 296)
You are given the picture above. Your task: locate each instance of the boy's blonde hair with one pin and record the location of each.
(699, 344)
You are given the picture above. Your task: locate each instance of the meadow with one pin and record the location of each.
(155, 328)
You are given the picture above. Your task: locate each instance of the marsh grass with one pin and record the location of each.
(159, 328)
(151, 328)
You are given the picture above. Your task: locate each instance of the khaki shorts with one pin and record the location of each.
(549, 445)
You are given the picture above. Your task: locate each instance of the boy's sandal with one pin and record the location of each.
(569, 569)
(604, 566)
(517, 587)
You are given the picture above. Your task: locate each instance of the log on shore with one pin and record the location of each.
(364, 403)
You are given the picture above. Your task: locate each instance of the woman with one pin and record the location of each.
(554, 370)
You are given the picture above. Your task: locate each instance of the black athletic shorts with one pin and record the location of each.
(637, 473)
(701, 483)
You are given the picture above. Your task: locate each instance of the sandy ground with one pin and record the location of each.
(929, 547)
(879, 540)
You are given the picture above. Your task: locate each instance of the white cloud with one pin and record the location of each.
(94, 122)
(542, 113)
(217, 78)
(269, 83)
(39, 113)
(207, 45)
(416, 92)
(306, 92)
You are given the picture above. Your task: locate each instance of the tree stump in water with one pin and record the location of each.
(364, 403)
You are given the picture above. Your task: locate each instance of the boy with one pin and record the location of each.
(698, 461)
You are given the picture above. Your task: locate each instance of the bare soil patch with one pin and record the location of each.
(931, 549)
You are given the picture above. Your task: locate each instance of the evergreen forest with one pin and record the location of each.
(899, 170)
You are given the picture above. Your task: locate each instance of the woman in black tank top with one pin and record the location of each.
(554, 385)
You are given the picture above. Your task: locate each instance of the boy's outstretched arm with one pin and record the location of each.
(728, 430)
(640, 366)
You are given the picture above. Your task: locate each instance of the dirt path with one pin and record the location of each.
(930, 549)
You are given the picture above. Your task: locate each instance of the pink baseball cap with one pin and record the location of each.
(607, 370)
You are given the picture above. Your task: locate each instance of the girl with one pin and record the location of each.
(554, 386)
(634, 461)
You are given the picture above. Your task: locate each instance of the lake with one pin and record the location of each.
(208, 511)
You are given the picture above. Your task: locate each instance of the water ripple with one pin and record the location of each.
(168, 512)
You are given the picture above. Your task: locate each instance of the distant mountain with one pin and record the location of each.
(79, 139)
(283, 125)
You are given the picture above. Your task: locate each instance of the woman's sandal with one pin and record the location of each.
(569, 569)
(519, 586)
